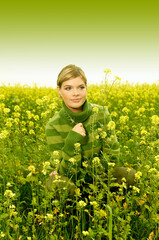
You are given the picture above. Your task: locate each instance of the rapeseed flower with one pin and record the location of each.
(4, 134)
(155, 120)
(2, 235)
(111, 125)
(36, 117)
(136, 189)
(94, 204)
(157, 158)
(95, 109)
(107, 71)
(82, 204)
(125, 110)
(29, 114)
(9, 184)
(85, 164)
(77, 146)
(49, 217)
(6, 110)
(31, 132)
(138, 175)
(31, 168)
(2, 97)
(96, 161)
(110, 164)
(85, 233)
(72, 160)
(39, 102)
(17, 108)
(9, 194)
(46, 166)
(55, 153)
(123, 119)
(103, 134)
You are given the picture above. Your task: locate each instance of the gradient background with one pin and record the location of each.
(37, 39)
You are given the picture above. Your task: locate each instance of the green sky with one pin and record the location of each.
(38, 38)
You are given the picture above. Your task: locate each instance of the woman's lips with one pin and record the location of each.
(75, 100)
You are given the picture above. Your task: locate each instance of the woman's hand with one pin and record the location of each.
(53, 173)
(79, 129)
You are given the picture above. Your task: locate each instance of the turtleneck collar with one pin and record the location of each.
(80, 116)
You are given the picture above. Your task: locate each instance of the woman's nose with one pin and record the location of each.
(75, 92)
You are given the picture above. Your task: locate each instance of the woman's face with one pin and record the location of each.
(73, 93)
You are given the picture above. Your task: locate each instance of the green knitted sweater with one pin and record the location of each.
(99, 138)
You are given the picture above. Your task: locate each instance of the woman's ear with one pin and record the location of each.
(59, 91)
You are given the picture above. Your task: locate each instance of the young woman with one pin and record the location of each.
(82, 133)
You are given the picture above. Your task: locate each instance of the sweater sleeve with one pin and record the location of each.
(69, 156)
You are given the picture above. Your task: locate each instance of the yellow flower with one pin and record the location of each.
(94, 204)
(103, 134)
(6, 110)
(103, 213)
(138, 175)
(82, 204)
(117, 78)
(110, 164)
(72, 160)
(49, 216)
(85, 164)
(2, 97)
(96, 160)
(29, 114)
(78, 193)
(46, 164)
(123, 119)
(155, 120)
(85, 233)
(157, 158)
(77, 146)
(111, 125)
(39, 102)
(9, 184)
(125, 110)
(2, 235)
(36, 117)
(4, 134)
(97, 137)
(95, 109)
(55, 153)
(153, 170)
(136, 189)
(56, 162)
(8, 124)
(107, 71)
(16, 108)
(123, 179)
(9, 193)
(114, 114)
(31, 124)
(31, 168)
(31, 132)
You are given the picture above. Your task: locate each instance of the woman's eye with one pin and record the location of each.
(67, 89)
(82, 87)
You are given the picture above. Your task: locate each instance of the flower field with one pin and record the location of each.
(29, 210)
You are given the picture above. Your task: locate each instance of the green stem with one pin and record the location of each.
(110, 222)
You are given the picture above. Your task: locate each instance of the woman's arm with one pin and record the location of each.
(69, 152)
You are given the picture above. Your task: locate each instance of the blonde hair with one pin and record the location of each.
(69, 72)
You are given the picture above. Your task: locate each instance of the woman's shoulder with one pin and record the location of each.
(54, 120)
